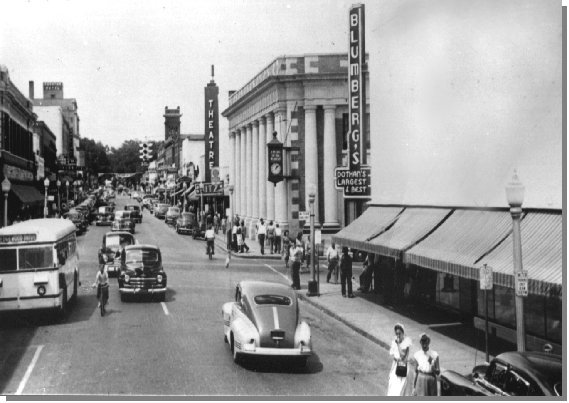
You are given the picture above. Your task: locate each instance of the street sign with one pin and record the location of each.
(318, 236)
(304, 215)
(354, 183)
(486, 278)
(522, 284)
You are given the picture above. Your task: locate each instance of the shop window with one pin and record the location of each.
(504, 306)
(447, 287)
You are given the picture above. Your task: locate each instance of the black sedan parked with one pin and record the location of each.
(509, 374)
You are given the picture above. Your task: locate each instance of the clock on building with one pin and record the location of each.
(275, 154)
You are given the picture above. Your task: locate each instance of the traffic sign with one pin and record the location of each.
(486, 278)
(522, 284)
(304, 215)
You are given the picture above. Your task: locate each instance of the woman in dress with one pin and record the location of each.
(399, 352)
(427, 369)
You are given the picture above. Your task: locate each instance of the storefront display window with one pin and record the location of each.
(448, 290)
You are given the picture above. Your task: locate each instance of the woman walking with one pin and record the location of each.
(427, 368)
(399, 353)
(286, 248)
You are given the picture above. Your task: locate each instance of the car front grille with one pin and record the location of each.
(142, 282)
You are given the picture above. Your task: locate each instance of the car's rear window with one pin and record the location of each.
(272, 300)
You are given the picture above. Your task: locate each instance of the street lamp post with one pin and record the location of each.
(312, 285)
(46, 185)
(67, 193)
(58, 196)
(515, 195)
(231, 188)
(6, 189)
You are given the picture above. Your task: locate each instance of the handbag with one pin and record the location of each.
(401, 369)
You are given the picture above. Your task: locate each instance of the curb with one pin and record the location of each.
(334, 315)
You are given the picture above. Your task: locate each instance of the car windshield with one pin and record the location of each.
(132, 208)
(272, 300)
(118, 239)
(145, 256)
(173, 210)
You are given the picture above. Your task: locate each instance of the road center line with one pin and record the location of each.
(164, 308)
(29, 371)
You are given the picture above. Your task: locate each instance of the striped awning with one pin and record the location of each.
(410, 227)
(460, 242)
(542, 255)
(372, 222)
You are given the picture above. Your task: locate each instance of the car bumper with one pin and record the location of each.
(133, 290)
(181, 229)
(112, 268)
(281, 352)
(103, 223)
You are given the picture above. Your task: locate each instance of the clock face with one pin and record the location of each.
(276, 168)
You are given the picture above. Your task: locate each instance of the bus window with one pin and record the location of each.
(8, 260)
(35, 258)
(61, 252)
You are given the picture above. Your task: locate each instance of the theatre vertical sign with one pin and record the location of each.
(355, 179)
(211, 128)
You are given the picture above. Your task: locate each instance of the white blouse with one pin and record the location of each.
(422, 359)
(397, 348)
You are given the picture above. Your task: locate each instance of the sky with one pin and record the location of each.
(124, 61)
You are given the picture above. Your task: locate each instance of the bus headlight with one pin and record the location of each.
(126, 278)
(41, 290)
(159, 278)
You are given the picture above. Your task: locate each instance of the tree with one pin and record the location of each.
(96, 159)
(126, 158)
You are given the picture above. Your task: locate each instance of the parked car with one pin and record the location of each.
(264, 320)
(78, 219)
(509, 374)
(123, 222)
(105, 215)
(142, 272)
(186, 223)
(109, 253)
(135, 212)
(160, 210)
(172, 215)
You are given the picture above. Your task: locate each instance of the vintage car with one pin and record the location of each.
(142, 272)
(186, 223)
(123, 222)
(264, 320)
(105, 216)
(160, 210)
(109, 254)
(172, 215)
(509, 374)
(135, 212)
(78, 219)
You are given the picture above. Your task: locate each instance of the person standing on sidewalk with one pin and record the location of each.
(399, 352)
(286, 248)
(428, 369)
(332, 257)
(278, 236)
(244, 236)
(261, 232)
(271, 236)
(346, 272)
(296, 252)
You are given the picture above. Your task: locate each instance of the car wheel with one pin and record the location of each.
(63, 307)
(162, 297)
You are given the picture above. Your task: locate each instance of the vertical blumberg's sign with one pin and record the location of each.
(211, 128)
(357, 102)
(355, 179)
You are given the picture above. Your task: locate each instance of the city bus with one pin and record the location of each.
(39, 265)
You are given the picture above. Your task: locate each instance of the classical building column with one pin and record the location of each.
(269, 186)
(248, 165)
(233, 172)
(311, 156)
(330, 163)
(242, 183)
(281, 194)
(263, 174)
(255, 169)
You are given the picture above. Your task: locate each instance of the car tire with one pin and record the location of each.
(63, 308)
(162, 297)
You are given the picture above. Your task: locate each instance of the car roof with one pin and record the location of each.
(257, 287)
(132, 205)
(142, 246)
(118, 233)
(543, 366)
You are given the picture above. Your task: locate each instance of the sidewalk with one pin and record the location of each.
(459, 345)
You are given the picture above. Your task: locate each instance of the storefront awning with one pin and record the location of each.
(27, 194)
(460, 242)
(371, 223)
(542, 254)
(409, 228)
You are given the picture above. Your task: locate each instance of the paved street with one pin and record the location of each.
(175, 347)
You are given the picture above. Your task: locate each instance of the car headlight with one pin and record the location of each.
(126, 278)
(159, 278)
